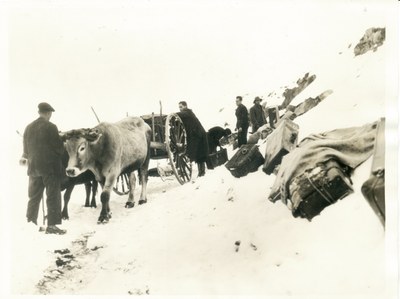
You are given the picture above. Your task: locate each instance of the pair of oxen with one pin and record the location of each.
(108, 150)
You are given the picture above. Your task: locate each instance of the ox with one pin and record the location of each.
(87, 178)
(109, 150)
(68, 184)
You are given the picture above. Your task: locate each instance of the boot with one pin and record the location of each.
(52, 229)
(202, 168)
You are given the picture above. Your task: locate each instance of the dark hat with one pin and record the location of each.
(256, 99)
(45, 107)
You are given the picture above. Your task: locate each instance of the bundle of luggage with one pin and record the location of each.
(374, 188)
(317, 173)
(312, 191)
(247, 159)
(279, 143)
(217, 159)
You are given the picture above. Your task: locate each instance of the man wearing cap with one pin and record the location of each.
(43, 150)
(257, 115)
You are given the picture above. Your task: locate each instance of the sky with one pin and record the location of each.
(124, 57)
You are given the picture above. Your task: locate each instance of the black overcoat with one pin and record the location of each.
(242, 116)
(43, 148)
(197, 145)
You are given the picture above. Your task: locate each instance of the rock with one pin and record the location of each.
(372, 39)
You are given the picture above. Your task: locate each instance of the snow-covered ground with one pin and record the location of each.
(182, 242)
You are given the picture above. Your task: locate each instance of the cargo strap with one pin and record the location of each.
(322, 192)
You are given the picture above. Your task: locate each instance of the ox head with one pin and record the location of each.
(78, 144)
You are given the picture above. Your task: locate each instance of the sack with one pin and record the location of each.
(311, 192)
(247, 159)
(281, 141)
(217, 159)
(374, 188)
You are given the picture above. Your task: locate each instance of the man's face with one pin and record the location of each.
(238, 102)
(257, 102)
(46, 115)
(182, 107)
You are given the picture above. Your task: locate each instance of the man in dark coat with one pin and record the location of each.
(214, 135)
(242, 123)
(257, 115)
(197, 146)
(43, 151)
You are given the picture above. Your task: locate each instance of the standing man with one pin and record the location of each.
(43, 150)
(242, 123)
(257, 115)
(197, 146)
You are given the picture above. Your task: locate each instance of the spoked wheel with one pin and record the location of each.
(176, 143)
(122, 185)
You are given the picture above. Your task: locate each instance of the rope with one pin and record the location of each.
(319, 191)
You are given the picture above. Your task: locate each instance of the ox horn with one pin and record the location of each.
(92, 134)
(70, 134)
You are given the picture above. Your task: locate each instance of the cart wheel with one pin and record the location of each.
(176, 143)
(122, 185)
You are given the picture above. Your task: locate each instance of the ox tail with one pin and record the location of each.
(145, 166)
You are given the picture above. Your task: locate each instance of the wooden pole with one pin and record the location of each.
(161, 122)
(98, 120)
(154, 132)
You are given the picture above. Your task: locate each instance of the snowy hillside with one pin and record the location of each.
(183, 240)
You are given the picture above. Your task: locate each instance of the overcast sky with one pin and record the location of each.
(124, 57)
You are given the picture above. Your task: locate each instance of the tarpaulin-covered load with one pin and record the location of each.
(350, 147)
(279, 143)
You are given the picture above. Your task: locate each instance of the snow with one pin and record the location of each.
(182, 242)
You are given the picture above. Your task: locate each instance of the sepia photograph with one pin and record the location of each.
(200, 148)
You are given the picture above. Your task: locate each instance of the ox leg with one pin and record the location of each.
(131, 200)
(143, 179)
(88, 188)
(105, 214)
(67, 196)
(95, 185)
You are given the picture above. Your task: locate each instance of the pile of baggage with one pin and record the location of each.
(314, 183)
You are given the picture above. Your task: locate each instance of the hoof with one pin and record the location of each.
(104, 219)
(93, 206)
(129, 204)
(142, 201)
(64, 216)
(87, 205)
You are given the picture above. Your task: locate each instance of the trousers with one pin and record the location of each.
(242, 136)
(37, 184)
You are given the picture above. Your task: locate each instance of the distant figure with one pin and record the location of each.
(43, 150)
(214, 135)
(242, 123)
(197, 145)
(257, 115)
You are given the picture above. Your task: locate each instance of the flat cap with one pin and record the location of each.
(45, 107)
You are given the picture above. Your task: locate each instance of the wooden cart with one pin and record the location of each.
(169, 142)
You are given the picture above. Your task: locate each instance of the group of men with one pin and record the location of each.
(256, 118)
(43, 150)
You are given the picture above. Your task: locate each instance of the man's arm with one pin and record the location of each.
(25, 144)
(253, 116)
(24, 158)
(55, 141)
